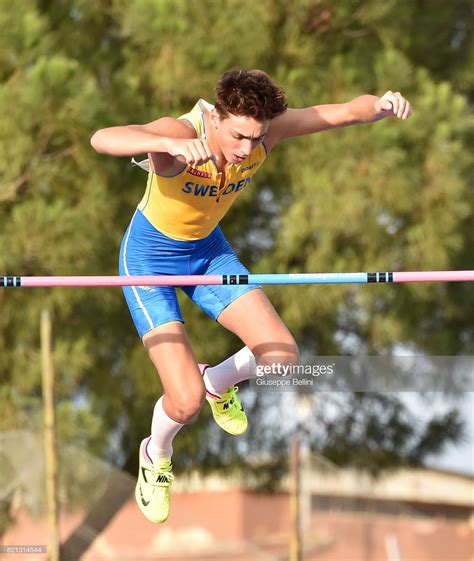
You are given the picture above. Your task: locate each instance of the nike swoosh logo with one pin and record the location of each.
(144, 503)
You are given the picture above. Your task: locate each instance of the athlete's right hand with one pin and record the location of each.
(195, 151)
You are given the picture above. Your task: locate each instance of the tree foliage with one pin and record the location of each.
(389, 196)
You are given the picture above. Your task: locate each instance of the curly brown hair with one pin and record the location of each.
(249, 93)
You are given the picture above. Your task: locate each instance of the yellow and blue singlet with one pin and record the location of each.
(175, 231)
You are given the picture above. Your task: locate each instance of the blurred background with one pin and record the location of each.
(383, 476)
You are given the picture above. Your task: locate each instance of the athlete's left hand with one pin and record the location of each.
(392, 105)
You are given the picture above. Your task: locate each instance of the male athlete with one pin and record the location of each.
(198, 165)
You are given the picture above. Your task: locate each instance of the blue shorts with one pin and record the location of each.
(147, 251)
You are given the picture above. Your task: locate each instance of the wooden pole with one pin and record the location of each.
(49, 434)
(295, 540)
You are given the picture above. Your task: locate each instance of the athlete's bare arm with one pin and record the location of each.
(168, 142)
(363, 109)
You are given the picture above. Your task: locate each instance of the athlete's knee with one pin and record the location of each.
(185, 407)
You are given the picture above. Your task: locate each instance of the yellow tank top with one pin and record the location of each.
(188, 206)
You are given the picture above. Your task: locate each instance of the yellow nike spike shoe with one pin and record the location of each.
(228, 411)
(152, 491)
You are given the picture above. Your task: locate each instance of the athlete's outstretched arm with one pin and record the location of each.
(363, 109)
(132, 140)
(163, 140)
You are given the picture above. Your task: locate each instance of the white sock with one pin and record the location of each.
(163, 430)
(236, 368)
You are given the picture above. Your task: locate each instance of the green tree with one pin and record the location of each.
(389, 196)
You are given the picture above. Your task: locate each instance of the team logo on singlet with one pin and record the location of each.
(198, 172)
(247, 168)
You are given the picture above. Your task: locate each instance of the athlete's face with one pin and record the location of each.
(238, 136)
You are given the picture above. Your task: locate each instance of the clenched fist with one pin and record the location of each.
(195, 151)
(392, 105)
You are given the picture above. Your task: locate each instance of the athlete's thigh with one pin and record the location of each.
(155, 310)
(255, 321)
(170, 350)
